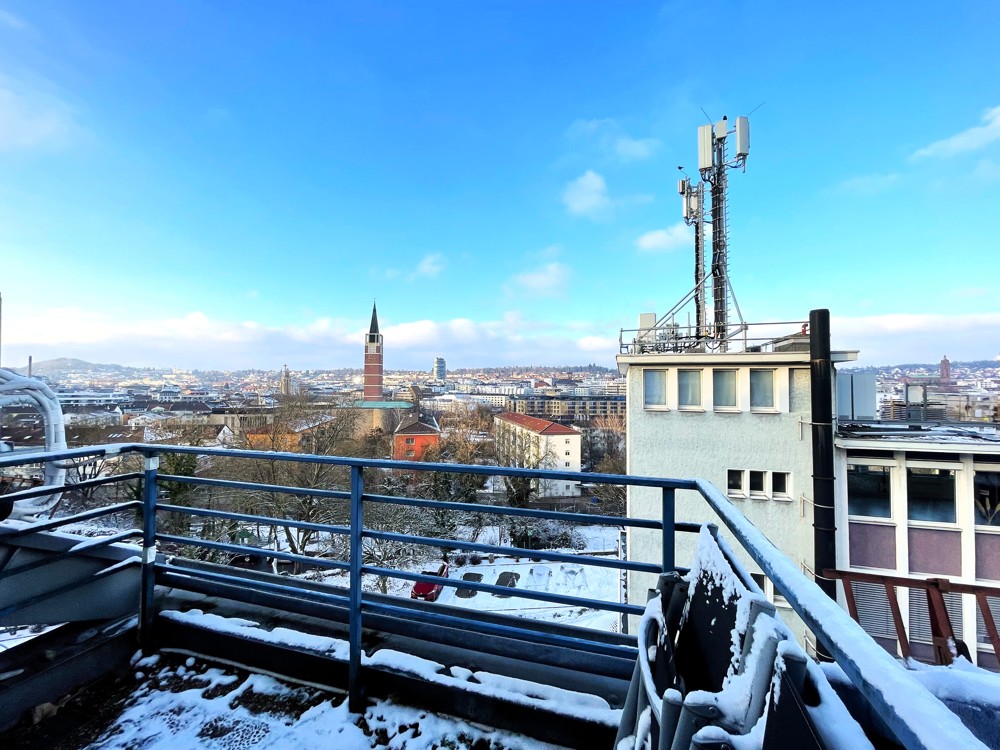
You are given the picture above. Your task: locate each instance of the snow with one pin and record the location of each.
(909, 708)
(566, 702)
(251, 630)
(209, 709)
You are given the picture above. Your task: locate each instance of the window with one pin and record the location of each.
(930, 495)
(724, 389)
(409, 454)
(567, 463)
(868, 491)
(410, 441)
(757, 482)
(654, 389)
(689, 388)
(762, 389)
(986, 491)
(567, 453)
(780, 484)
(567, 441)
(734, 482)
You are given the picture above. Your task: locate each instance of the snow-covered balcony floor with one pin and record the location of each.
(170, 701)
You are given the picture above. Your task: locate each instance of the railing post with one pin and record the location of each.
(147, 611)
(354, 686)
(669, 510)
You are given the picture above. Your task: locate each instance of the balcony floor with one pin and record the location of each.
(171, 701)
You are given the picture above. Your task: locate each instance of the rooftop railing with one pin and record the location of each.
(909, 710)
(671, 337)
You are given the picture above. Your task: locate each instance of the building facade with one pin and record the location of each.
(738, 419)
(529, 442)
(414, 436)
(920, 502)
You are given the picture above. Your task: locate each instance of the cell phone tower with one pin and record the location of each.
(713, 165)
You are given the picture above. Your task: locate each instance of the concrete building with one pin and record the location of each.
(568, 408)
(440, 370)
(738, 418)
(529, 442)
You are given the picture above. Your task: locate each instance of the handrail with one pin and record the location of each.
(909, 710)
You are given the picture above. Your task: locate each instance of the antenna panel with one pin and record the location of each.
(742, 136)
(721, 128)
(705, 147)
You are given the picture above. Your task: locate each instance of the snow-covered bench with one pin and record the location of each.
(717, 668)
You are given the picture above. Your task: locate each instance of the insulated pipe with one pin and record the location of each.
(16, 389)
(821, 387)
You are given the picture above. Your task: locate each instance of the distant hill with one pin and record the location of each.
(51, 367)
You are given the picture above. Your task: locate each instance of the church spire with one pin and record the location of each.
(374, 328)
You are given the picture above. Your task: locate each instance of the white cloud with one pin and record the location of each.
(869, 184)
(972, 139)
(636, 149)
(901, 338)
(610, 138)
(32, 119)
(196, 340)
(430, 266)
(664, 240)
(549, 280)
(987, 170)
(587, 195)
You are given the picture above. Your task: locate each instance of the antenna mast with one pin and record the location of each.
(713, 166)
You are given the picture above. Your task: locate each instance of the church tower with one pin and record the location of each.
(373, 361)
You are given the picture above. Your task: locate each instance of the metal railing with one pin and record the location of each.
(917, 721)
(943, 639)
(669, 337)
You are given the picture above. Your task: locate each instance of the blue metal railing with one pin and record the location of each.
(917, 721)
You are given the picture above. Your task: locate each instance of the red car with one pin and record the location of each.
(425, 589)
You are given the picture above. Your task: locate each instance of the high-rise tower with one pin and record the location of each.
(373, 361)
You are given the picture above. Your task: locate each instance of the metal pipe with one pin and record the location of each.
(821, 388)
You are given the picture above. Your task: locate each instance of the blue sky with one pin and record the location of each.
(222, 184)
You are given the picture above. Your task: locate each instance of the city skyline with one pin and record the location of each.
(192, 187)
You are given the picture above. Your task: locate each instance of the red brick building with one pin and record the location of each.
(373, 361)
(413, 437)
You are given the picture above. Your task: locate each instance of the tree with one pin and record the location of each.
(301, 425)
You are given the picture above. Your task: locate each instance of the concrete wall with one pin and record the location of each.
(669, 441)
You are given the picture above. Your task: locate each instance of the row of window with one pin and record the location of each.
(930, 494)
(725, 389)
(761, 485)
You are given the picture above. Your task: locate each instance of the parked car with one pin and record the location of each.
(427, 590)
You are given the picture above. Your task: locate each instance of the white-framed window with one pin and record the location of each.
(758, 483)
(781, 485)
(654, 389)
(869, 490)
(986, 492)
(689, 389)
(724, 389)
(761, 390)
(930, 494)
(736, 483)
(410, 441)
(567, 463)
